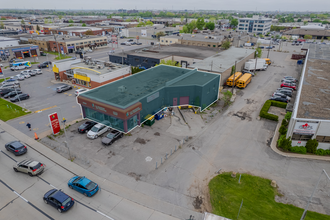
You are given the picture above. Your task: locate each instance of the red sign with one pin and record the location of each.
(54, 123)
(0, 70)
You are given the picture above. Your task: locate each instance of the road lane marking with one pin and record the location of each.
(8, 156)
(21, 196)
(44, 109)
(70, 95)
(74, 106)
(35, 129)
(52, 186)
(22, 122)
(104, 215)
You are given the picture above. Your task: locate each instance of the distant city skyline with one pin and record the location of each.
(252, 5)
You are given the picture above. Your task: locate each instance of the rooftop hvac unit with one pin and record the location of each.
(122, 89)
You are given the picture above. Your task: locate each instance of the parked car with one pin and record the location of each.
(288, 80)
(285, 92)
(112, 137)
(18, 77)
(5, 91)
(12, 94)
(37, 71)
(133, 43)
(10, 81)
(83, 185)
(128, 44)
(96, 131)
(26, 73)
(281, 95)
(245, 71)
(286, 88)
(16, 148)
(79, 91)
(138, 43)
(59, 200)
(30, 167)
(130, 40)
(290, 77)
(89, 51)
(63, 88)
(20, 97)
(86, 126)
(10, 85)
(45, 64)
(279, 98)
(289, 85)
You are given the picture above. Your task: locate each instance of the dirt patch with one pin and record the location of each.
(135, 176)
(197, 203)
(243, 116)
(250, 101)
(157, 134)
(140, 141)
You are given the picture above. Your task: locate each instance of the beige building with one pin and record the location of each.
(42, 41)
(199, 40)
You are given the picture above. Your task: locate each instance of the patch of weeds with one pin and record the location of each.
(50, 137)
(180, 147)
(208, 108)
(214, 104)
(128, 134)
(211, 116)
(77, 122)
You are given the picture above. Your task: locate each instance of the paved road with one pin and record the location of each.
(21, 195)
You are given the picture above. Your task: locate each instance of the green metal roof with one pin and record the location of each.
(127, 91)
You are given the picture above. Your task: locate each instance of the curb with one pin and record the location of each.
(291, 155)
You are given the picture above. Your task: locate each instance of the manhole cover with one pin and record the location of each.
(148, 159)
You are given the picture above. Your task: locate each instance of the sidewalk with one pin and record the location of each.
(166, 208)
(293, 155)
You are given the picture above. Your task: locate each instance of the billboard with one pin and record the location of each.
(143, 33)
(54, 123)
(307, 128)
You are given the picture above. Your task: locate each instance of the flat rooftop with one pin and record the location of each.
(223, 60)
(97, 67)
(127, 91)
(174, 50)
(314, 100)
(198, 37)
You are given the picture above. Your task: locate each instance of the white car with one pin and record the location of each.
(97, 130)
(18, 77)
(26, 73)
(37, 71)
(79, 91)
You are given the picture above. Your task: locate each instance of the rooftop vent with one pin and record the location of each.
(122, 89)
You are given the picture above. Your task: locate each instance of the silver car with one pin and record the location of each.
(37, 71)
(30, 167)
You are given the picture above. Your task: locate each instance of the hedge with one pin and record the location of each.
(298, 149)
(264, 110)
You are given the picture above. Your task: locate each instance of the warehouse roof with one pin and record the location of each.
(127, 91)
(223, 60)
(197, 37)
(314, 90)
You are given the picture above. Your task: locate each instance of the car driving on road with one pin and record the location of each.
(59, 200)
(30, 167)
(83, 185)
(16, 148)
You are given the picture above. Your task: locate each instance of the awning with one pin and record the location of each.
(84, 78)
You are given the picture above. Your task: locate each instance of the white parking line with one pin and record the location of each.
(21, 196)
(52, 186)
(104, 215)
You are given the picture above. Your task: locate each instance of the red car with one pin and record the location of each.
(288, 85)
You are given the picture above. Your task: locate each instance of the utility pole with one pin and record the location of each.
(269, 48)
(232, 90)
(57, 46)
(122, 58)
(255, 67)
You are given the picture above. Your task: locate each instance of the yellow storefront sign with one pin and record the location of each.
(84, 78)
(55, 69)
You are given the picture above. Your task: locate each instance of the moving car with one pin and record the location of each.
(86, 126)
(112, 137)
(16, 148)
(20, 97)
(12, 94)
(30, 167)
(63, 88)
(83, 185)
(278, 98)
(79, 91)
(59, 200)
(123, 43)
(96, 131)
(289, 85)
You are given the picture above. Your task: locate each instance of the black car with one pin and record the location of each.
(286, 88)
(291, 78)
(59, 200)
(19, 97)
(278, 98)
(285, 92)
(123, 43)
(138, 43)
(43, 65)
(86, 126)
(130, 40)
(112, 137)
(5, 91)
(12, 94)
(63, 88)
(16, 148)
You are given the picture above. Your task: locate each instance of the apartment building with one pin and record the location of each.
(255, 25)
(70, 44)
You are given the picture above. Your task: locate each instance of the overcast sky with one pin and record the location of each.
(251, 5)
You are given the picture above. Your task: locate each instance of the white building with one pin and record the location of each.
(255, 25)
(8, 42)
(311, 112)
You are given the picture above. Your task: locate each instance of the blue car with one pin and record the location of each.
(59, 200)
(83, 185)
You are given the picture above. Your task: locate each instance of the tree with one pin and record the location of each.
(22, 21)
(306, 37)
(325, 22)
(328, 38)
(299, 20)
(128, 20)
(258, 52)
(305, 22)
(234, 23)
(294, 27)
(149, 23)
(210, 25)
(317, 20)
(200, 23)
(261, 36)
(311, 146)
(83, 25)
(160, 34)
(3, 19)
(181, 19)
(71, 21)
(212, 19)
(38, 28)
(226, 45)
(141, 24)
(60, 17)
(169, 63)
(2, 26)
(70, 25)
(89, 32)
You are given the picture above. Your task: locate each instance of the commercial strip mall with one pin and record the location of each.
(128, 102)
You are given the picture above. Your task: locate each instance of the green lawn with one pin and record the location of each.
(9, 110)
(35, 62)
(258, 197)
(61, 57)
(1, 80)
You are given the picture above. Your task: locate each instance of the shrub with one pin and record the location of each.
(279, 141)
(298, 149)
(282, 130)
(264, 110)
(285, 123)
(311, 146)
(286, 143)
(278, 104)
(320, 152)
(288, 116)
(327, 152)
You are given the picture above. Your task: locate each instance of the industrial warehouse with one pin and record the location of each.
(130, 101)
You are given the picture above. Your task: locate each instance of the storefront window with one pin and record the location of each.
(83, 83)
